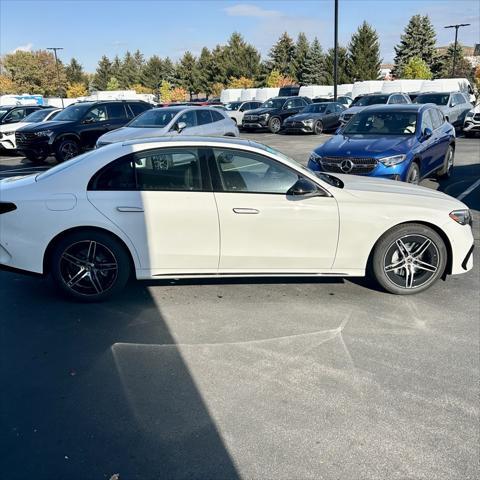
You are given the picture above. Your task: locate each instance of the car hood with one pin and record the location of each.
(305, 116)
(260, 111)
(131, 133)
(366, 145)
(9, 127)
(50, 125)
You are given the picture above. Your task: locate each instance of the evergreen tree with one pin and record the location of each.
(74, 72)
(218, 68)
(113, 84)
(240, 58)
(139, 62)
(282, 54)
(314, 68)
(463, 68)
(302, 49)
(343, 76)
(102, 74)
(129, 74)
(364, 54)
(116, 68)
(205, 77)
(418, 40)
(188, 73)
(153, 73)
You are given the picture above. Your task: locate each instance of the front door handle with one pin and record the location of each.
(130, 209)
(246, 211)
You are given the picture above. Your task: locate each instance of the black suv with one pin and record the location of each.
(76, 128)
(273, 112)
(16, 113)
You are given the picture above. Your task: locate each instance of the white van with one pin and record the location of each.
(369, 86)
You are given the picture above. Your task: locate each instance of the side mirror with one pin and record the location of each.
(427, 133)
(181, 126)
(304, 188)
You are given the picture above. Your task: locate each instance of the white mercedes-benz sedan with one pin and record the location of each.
(202, 207)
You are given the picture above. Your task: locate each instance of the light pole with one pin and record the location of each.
(456, 27)
(335, 54)
(58, 71)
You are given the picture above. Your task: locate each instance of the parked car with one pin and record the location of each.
(76, 128)
(7, 131)
(471, 125)
(399, 142)
(196, 207)
(160, 122)
(315, 118)
(16, 113)
(362, 101)
(236, 110)
(454, 105)
(272, 113)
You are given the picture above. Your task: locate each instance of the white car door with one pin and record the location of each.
(264, 230)
(160, 200)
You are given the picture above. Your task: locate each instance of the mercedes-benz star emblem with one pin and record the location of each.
(346, 166)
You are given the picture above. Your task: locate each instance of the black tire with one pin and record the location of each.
(318, 127)
(446, 171)
(468, 134)
(401, 267)
(90, 266)
(274, 124)
(35, 157)
(66, 149)
(413, 174)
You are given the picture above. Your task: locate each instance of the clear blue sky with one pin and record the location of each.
(86, 29)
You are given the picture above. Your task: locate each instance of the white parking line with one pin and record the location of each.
(469, 190)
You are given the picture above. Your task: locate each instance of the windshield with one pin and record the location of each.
(382, 123)
(73, 112)
(37, 116)
(370, 100)
(436, 98)
(3, 112)
(315, 108)
(274, 103)
(155, 118)
(233, 106)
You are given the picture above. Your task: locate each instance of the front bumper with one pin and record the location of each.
(36, 145)
(294, 128)
(471, 126)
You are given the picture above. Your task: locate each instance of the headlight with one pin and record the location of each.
(393, 160)
(44, 133)
(315, 158)
(463, 217)
(264, 116)
(308, 122)
(11, 132)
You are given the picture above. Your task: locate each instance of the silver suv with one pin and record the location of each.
(172, 121)
(454, 105)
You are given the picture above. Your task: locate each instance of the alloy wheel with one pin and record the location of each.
(411, 261)
(88, 267)
(69, 150)
(318, 128)
(275, 125)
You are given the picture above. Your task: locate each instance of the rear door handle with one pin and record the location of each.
(130, 209)
(246, 211)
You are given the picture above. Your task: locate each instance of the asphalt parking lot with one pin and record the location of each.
(238, 379)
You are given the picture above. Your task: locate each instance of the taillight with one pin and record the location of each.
(6, 207)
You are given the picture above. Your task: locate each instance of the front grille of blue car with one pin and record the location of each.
(355, 165)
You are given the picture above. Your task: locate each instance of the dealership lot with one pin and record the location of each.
(245, 379)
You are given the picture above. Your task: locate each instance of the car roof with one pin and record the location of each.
(405, 107)
(192, 140)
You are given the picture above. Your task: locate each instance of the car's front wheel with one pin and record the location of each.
(446, 170)
(89, 265)
(413, 174)
(318, 127)
(66, 149)
(275, 124)
(409, 259)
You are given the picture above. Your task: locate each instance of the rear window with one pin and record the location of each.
(436, 98)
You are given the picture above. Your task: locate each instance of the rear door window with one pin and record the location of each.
(116, 111)
(217, 116)
(204, 117)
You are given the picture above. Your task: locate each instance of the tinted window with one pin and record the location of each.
(249, 172)
(30, 110)
(189, 118)
(233, 105)
(217, 116)
(427, 121)
(330, 109)
(274, 103)
(315, 108)
(436, 98)
(116, 110)
(299, 102)
(154, 118)
(96, 114)
(137, 108)
(382, 123)
(154, 170)
(339, 108)
(370, 100)
(204, 117)
(37, 116)
(74, 112)
(15, 115)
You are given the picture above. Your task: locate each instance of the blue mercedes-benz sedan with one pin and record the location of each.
(398, 142)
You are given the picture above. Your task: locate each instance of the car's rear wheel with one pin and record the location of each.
(413, 174)
(275, 124)
(409, 259)
(318, 127)
(89, 266)
(66, 149)
(446, 171)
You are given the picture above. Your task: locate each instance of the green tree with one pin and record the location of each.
(417, 68)
(463, 68)
(281, 56)
(240, 58)
(113, 84)
(165, 91)
(75, 73)
(418, 40)
(153, 73)
(103, 73)
(302, 49)
(169, 71)
(205, 77)
(343, 75)
(188, 73)
(218, 67)
(364, 54)
(139, 61)
(314, 67)
(116, 67)
(129, 73)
